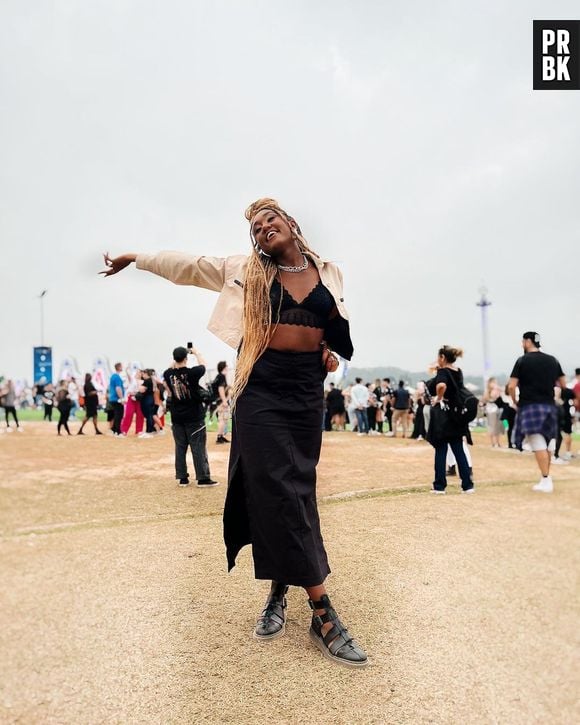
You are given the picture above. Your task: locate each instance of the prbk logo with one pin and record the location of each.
(556, 55)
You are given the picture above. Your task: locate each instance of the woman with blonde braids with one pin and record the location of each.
(282, 308)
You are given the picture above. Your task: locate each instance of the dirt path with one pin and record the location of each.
(116, 606)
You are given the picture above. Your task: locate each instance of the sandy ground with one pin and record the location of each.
(116, 606)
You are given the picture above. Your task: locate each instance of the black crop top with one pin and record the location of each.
(313, 311)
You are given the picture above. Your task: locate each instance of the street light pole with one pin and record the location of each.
(483, 304)
(41, 298)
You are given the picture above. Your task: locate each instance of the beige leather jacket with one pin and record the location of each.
(226, 275)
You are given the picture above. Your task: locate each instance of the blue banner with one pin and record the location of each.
(43, 364)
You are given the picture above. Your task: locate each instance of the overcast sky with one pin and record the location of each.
(405, 138)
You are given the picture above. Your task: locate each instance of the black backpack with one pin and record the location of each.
(465, 408)
(206, 395)
(214, 392)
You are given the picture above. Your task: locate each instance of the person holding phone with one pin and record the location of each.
(282, 308)
(188, 416)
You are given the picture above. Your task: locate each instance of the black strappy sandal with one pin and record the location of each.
(337, 644)
(272, 621)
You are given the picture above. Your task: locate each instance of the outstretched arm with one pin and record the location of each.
(177, 267)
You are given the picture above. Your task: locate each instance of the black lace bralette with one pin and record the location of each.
(313, 311)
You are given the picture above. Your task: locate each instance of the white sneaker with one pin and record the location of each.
(20, 429)
(440, 493)
(545, 485)
(469, 490)
(566, 456)
(559, 461)
(9, 430)
(144, 435)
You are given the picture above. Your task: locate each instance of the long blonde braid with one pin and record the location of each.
(257, 318)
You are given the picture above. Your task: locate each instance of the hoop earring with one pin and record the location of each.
(260, 251)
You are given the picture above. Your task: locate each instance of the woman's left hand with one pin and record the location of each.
(329, 359)
(116, 264)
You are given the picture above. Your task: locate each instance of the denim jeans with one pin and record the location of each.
(362, 420)
(192, 435)
(456, 446)
(74, 408)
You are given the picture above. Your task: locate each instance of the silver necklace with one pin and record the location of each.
(301, 268)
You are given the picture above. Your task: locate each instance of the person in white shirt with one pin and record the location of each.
(73, 394)
(359, 395)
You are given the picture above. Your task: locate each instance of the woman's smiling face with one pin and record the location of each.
(271, 231)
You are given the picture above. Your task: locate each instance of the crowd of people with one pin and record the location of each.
(366, 408)
(378, 408)
(134, 400)
(137, 400)
(536, 412)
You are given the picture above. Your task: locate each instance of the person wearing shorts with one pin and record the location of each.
(536, 374)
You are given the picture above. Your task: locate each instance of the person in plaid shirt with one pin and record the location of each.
(536, 374)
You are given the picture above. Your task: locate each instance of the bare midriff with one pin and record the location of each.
(296, 338)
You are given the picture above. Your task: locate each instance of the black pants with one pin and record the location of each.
(47, 412)
(10, 409)
(456, 446)
(509, 414)
(389, 417)
(372, 417)
(419, 423)
(148, 410)
(63, 422)
(117, 417)
(192, 435)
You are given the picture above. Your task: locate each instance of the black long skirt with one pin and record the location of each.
(271, 497)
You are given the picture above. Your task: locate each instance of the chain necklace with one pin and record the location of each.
(301, 268)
